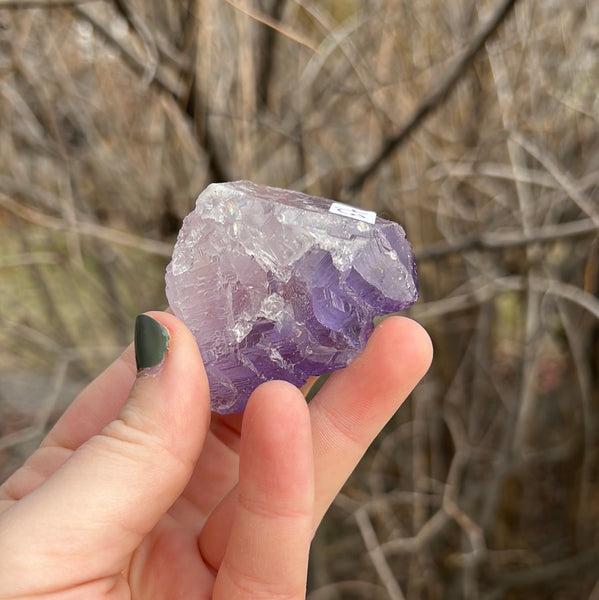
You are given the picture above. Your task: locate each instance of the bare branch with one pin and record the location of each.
(377, 556)
(267, 55)
(85, 228)
(489, 289)
(435, 99)
(560, 569)
(28, 4)
(499, 241)
(29, 258)
(560, 176)
(432, 528)
(160, 76)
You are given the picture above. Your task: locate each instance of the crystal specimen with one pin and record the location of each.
(276, 284)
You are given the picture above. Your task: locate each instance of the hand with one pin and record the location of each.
(137, 492)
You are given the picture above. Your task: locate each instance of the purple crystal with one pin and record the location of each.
(276, 284)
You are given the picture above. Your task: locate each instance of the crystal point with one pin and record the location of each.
(276, 284)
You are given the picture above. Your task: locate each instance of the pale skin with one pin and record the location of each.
(139, 492)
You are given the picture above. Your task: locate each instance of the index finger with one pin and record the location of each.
(355, 403)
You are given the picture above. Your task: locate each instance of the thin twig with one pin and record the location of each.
(137, 23)
(267, 20)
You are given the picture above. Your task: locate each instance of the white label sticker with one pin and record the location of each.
(368, 216)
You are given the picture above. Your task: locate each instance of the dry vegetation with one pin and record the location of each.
(472, 123)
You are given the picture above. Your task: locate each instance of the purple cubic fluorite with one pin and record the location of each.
(276, 284)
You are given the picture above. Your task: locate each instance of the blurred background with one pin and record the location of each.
(472, 123)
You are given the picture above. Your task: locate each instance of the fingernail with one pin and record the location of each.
(151, 342)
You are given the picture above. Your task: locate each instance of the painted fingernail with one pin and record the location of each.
(151, 342)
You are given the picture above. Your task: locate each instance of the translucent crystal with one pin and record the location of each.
(276, 284)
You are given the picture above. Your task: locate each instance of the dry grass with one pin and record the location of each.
(114, 116)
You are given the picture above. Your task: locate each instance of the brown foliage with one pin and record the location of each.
(481, 138)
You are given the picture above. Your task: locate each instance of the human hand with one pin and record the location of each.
(137, 492)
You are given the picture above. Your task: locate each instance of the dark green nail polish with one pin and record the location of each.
(151, 342)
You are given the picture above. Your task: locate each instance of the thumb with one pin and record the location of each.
(115, 487)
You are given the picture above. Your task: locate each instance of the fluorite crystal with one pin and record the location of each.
(276, 284)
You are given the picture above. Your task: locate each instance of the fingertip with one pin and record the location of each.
(408, 337)
(177, 330)
(276, 417)
(276, 439)
(357, 401)
(275, 396)
(397, 356)
(170, 398)
(182, 362)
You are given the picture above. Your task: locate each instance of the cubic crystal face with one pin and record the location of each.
(276, 284)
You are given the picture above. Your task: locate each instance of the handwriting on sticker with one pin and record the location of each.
(368, 216)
